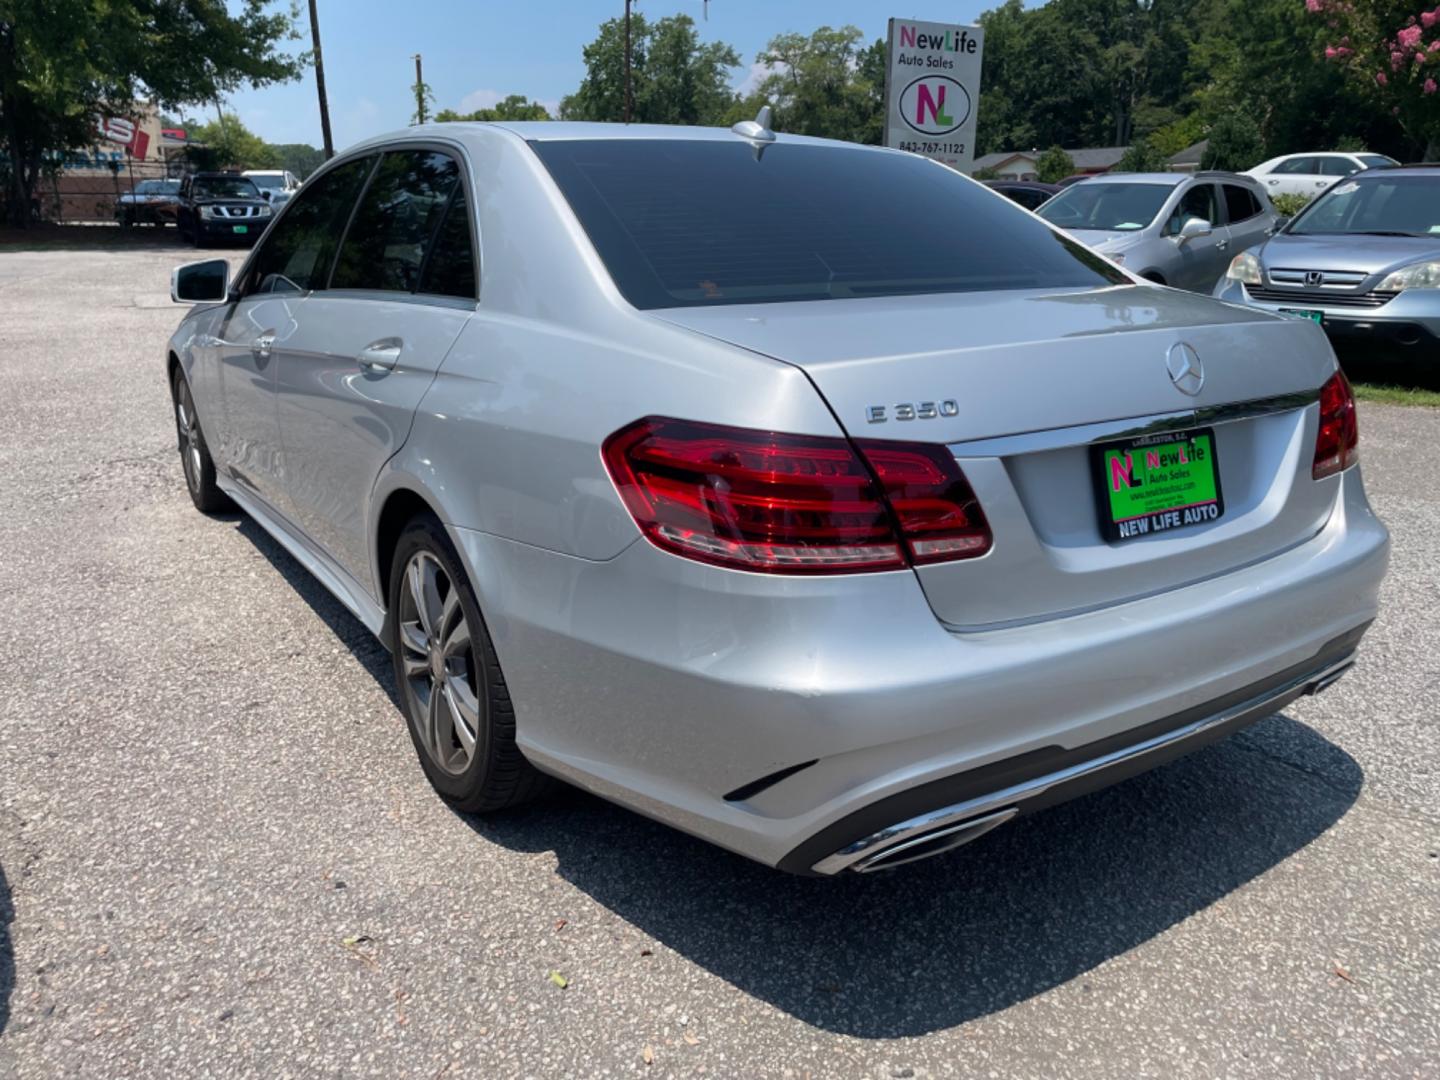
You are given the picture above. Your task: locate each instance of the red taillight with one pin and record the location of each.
(794, 504)
(1336, 443)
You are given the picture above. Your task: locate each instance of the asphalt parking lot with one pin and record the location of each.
(218, 855)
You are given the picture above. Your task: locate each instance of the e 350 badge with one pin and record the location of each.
(912, 410)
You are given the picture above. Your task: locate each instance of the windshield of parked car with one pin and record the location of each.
(1385, 204)
(225, 187)
(274, 183)
(1111, 206)
(1376, 161)
(157, 187)
(683, 222)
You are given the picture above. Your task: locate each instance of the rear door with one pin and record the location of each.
(369, 345)
(1245, 217)
(1295, 176)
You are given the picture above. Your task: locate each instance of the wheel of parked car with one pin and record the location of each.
(194, 455)
(125, 219)
(455, 700)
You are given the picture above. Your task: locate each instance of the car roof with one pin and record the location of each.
(1422, 168)
(1167, 178)
(264, 172)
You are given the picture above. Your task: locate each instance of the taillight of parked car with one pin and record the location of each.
(1337, 442)
(793, 504)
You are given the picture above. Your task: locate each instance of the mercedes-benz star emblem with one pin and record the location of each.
(1186, 371)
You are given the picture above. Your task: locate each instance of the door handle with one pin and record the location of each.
(380, 355)
(262, 345)
(1222, 245)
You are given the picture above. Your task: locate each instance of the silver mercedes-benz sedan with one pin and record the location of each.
(809, 497)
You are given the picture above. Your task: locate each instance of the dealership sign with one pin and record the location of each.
(932, 87)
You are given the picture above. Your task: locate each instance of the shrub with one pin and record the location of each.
(1290, 205)
(1054, 165)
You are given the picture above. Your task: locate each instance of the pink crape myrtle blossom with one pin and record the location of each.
(1429, 87)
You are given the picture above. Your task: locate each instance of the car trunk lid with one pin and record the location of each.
(1021, 384)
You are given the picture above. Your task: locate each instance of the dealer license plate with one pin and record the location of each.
(241, 228)
(1317, 317)
(1157, 483)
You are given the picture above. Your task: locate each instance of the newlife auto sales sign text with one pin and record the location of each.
(932, 89)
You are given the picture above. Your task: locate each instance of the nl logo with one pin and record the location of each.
(934, 104)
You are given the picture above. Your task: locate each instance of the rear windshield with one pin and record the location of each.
(1110, 206)
(683, 223)
(1375, 204)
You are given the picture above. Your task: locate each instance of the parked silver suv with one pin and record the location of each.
(806, 496)
(1179, 229)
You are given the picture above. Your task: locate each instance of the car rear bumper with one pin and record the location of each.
(787, 719)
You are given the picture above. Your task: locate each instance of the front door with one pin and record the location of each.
(1202, 259)
(370, 345)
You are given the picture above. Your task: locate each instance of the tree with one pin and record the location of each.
(1392, 49)
(825, 84)
(64, 61)
(513, 107)
(1143, 156)
(302, 159)
(676, 78)
(226, 143)
(1235, 144)
(1054, 165)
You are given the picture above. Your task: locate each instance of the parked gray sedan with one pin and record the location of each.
(805, 496)
(1362, 260)
(1177, 229)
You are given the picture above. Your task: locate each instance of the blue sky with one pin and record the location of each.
(477, 52)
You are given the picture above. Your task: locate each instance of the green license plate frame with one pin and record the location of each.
(1156, 484)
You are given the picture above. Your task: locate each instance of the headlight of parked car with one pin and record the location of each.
(1424, 275)
(207, 211)
(1244, 268)
(264, 211)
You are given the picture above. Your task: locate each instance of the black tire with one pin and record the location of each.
(195, 461)
(495, 775)
(126, 221)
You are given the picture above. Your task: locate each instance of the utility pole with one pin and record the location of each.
(629, 92)
(419, 92)
(320, 83)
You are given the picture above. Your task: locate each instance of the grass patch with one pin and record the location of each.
(1384, 394)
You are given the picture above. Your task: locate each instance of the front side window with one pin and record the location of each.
(1198, 202)
(1240, 203)
(1107, 206)
(297, 254)
(1383, 204)
(385, 245)
(1297, 166)
(698, 222)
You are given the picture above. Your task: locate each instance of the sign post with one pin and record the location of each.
(932, 90)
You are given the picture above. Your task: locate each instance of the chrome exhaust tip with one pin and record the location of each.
(906, 844)
(1329, 678)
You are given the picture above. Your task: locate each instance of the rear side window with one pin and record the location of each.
(450, 270)
(296, 256)
(703, 223)
(1337, 166)
(399, 213)
(1240, 203)
(1302, 166)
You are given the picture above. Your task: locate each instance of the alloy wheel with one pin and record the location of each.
(189, 426)
(442, 680)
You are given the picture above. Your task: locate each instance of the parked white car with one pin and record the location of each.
(1310, 174)
(276, 185)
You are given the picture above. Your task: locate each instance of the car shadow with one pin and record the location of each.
(366, 647)
(7, 951)
(925, 947)
(1029, 907)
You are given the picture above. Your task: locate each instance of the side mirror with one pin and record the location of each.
(1194, 228)
(200, 282)
(265, 194)
(1279, 223)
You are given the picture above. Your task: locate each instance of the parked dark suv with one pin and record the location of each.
(218, 206)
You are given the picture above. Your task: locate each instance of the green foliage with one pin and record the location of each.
(1143, 156)
(62, 61)
(1235, 144)
(986, 173)
(514, 107)
(675, 78)
(424, 98)
(825, 84)
(1289, 205)
(1180, 135)
(1054, 165)
(229, 144)
(300, 158)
